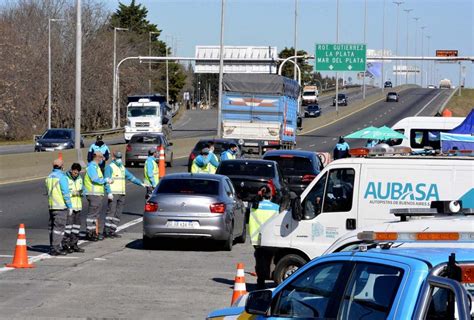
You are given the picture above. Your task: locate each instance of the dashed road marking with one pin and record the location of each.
(429, 102)
(311, 145)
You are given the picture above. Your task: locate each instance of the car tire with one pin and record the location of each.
(287, 266)
(170, 164)
(147, 242)
(228, 244)
(243, 236)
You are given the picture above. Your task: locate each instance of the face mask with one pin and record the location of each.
(119, 161)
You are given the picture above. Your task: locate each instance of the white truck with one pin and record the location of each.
(445, 84)
(310, 95)
(356, 192)
(147, 113)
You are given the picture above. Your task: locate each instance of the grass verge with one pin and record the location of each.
(460, 106)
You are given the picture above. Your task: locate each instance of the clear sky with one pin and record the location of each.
(271, 23)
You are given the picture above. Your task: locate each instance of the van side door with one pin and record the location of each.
(329, 210)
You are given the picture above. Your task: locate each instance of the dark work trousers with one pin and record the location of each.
(57, 224)
(95, 208)
(114, 213)
(263, 261)
(73, 226)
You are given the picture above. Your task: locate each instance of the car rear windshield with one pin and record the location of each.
(292, 166)
(239, 168)
(219, 147)
(189, 186)
(58, 134)
(146, 139)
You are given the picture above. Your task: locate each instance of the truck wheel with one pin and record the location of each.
(287, 266)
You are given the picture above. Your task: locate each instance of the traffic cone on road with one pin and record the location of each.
(162, 163)
(60, 155)
(20, 259)
(239, 284)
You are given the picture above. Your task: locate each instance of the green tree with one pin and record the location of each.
(288, 68)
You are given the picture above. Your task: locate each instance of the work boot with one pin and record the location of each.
(57, 252)
(76, 248)
(100, 237)
(91, 237)
(68, 249)
(116, 235)
(108, 234)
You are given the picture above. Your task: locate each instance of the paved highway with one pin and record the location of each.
(117, 278)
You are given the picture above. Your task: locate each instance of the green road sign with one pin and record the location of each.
(340, 57)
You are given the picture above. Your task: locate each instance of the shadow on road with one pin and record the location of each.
(249, 286)
(198, 245)
(133, 213)
(39, 248)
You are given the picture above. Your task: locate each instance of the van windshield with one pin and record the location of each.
(143, 112)
(309, 93)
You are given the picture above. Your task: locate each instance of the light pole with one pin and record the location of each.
(49, 69)
(114, 81)
(398, 3)
(422, 53)
(167, 72)
(406, 61)
(428, 78)
(365, 37)
(149, 62)
(416, 40)
(221, 72)
(77, 115)
(337, 41)
(295, 37)
(383, 45)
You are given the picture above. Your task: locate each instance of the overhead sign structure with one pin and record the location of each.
(446, 53)
(340, 57)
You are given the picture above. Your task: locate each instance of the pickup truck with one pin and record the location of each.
(370, 283)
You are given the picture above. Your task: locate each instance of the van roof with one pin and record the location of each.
(412, 158)
(429, 122)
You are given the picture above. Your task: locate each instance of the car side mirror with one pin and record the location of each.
(299, 123)
(258, 302)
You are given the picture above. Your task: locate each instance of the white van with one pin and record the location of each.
(424, 132)
(355, 192)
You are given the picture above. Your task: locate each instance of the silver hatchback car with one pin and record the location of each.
(186, 205)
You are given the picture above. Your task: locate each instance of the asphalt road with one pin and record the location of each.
(117, 278)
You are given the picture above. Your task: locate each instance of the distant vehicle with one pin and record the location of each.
(312, 110)
(387, 84)
(299, 167)
(186, 205)
(424, 132)
(445, 84)
(138, 146)
(56, 139)
(431, 86)
(392, 96)
(147, 113)
(341, 100)
(310, 95)
(248, 176)
(260, 112)
(220, 145)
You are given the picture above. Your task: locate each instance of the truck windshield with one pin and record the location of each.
(309, 93)
(143, 112)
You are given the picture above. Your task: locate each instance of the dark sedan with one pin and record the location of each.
(188, 205)
(392, 96)
(341, 100)
(313, 110)
(140, 143)
(56, 139)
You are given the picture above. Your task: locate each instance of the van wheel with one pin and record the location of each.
(287, 266)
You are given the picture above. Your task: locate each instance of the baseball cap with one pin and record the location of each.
(118, 154)
(205, 151)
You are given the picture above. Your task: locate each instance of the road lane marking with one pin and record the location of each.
(424, 107)
(311, 145)
(325, 142)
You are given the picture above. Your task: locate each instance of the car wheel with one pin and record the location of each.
(243, 236)
(227, 246)
(170, 164)
(287, 266)
(147, 242)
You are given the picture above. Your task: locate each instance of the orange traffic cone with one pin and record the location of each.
(20, 259)
(60, 155)
(162, 164)
(239, 286)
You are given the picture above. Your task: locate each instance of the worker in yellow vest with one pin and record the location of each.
(262, 210)
(73, 224)
(116, 193)
(151, 169)
(201, 162)
(213, 159)
(59, 202)
(231, 153)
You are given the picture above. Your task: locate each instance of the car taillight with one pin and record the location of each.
(217, 207)
(151, 207)
(308, 178)
(129, 147)
(272, 187)
(192, 156)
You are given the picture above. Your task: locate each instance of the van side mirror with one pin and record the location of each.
(299, 123)
(296, 207)
(258, 302)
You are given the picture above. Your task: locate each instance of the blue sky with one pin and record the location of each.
(271, 22)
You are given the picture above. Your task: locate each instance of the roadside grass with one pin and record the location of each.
(461, 106)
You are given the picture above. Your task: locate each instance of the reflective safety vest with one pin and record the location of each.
(92, 188)
(212, 168)
(266, 210)
(230, 155)
(197, 169)
(155, 174)
(118, 175)
(75, 188)
(55, 196)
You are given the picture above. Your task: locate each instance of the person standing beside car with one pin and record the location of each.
(262, 210)
(201, 162)
(73, 224)
(230, 153)
(213, 160)
(341, 150)
(151, 169)
(116, 193)
(99, 146)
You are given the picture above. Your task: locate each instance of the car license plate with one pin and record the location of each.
(49, 149)
(142, 157)
(182, 224)
(251, 144)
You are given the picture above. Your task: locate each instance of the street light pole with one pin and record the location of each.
(221, 73)
(167, 73)
(365, 37)
(416, 40)
(383, 46)
(398, 3)
(422, 53)
(77, 116)
(406, 62)
(114, 81)
(337, 41)
(49, 69)
(295, 37)
(428, 78)
(149, 63)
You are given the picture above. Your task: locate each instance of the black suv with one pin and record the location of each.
(341, 100)
(312, 110)
(387, 84)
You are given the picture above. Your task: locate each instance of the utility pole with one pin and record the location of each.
(406, 61)
(416, 40)
(422, 53)
(428, 78)
(365, 42)
(49, 69)
(295, 37)
(77, 116)
(221, 73)
(398, 3)
(383, 46)
(337, 41)
(149, 62)
(114, 80)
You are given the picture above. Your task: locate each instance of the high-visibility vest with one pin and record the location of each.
(197, 169)
(55, 196)
(259, 216)
(75, 188)
(230, 155)
(155, 173)
(92, 188)
(212, 168)
(118, 175)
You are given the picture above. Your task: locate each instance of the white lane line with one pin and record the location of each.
(333, 139)
(424, 107)
(311, 145)
(325, 142)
